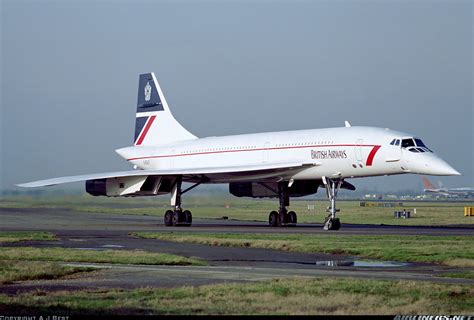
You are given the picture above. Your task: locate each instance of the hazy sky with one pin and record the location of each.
(70, 73)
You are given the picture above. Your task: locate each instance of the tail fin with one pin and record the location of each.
(154, 123)
(427, 184)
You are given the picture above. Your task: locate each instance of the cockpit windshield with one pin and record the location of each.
(408, 143)
(419, 143)
(414, 145)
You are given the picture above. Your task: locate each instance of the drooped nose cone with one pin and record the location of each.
(430, 164)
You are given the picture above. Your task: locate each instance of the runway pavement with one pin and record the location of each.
(87, 231)
(57, 219)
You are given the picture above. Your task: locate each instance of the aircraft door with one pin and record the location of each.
(358, 151)
(394, 151)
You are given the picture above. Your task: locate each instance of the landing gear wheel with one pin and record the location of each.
(332, 224)
(188, 218)
(283, 218)
(274, 219)
(168, 218)
(332, 188)
(176, 217)
(292, 219)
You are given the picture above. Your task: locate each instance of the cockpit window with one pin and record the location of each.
(407, 143)
(419, 143)
(395, 142)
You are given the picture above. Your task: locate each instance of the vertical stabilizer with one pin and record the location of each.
(154, 124)
(427, 184)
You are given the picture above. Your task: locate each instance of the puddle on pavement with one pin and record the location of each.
(360, 263)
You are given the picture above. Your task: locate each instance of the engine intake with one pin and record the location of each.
(97, 187)
(299, 188)
(130, 186)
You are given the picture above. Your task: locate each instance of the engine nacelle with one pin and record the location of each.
(130, 186)
(270, 190)
(97, 187)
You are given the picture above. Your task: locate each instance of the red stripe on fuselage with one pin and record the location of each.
(371, 156)
(145, 130)
(260, 149)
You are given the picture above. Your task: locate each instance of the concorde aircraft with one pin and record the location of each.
(275, 164)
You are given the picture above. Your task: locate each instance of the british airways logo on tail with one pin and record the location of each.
(147, 92)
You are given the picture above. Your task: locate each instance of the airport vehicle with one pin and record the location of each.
(274, 164)
(463, 192)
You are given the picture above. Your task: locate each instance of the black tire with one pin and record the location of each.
(188, 217)
(176, 218)
(168, 218)
(292, 218)
(274, 219)
(283, 218)
(334, 224)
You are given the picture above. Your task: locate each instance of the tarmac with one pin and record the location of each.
(91, 231)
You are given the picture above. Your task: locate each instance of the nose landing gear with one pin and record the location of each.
(332, 188)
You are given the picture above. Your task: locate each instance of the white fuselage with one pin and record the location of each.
(336, 152)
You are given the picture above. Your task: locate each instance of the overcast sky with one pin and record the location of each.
(70, 73)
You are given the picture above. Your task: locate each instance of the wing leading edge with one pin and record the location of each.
(220, 173)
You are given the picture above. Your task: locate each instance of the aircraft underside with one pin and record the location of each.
(264, 188)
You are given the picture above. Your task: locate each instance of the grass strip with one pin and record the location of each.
(11, 270)
(18, 236)
(103, 256)
(448, 250)
(328, 296)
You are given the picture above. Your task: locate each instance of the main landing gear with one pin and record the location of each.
(178, 217)
(282, 217)
(332, 188)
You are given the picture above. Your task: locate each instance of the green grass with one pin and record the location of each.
(18, 236)
(11, 270)
(449, 250)
(289, 296)
(461, 275)
(428, 213)
(105, 256)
